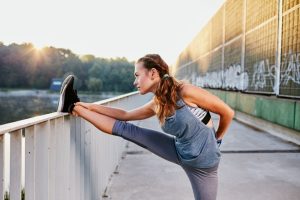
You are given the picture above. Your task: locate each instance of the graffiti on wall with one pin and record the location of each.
(233, 78)
(264, 75)
(211, 79)
(263, 71)
(291, 68)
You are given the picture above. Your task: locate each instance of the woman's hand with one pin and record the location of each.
(74, 113)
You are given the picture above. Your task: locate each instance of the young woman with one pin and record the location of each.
(183, 112)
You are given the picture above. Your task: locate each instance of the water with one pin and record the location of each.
(22, 104)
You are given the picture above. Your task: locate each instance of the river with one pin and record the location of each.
(21, 104)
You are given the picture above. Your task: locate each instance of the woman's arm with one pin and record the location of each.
(142, 112)
(206, 100)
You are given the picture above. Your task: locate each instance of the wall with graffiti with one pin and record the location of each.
(249, 45)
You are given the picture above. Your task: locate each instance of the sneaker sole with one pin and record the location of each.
(63, 92)
(67, 80)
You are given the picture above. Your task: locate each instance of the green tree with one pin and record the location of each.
(94, 84)
(26, 67)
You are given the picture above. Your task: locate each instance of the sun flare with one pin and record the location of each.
(38, 46)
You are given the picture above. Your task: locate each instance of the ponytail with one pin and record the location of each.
(166, 97)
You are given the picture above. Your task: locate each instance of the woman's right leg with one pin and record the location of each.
(102, 122)
(157, 142)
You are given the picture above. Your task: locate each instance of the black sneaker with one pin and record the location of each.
(69, 79)
(73, 98)
(67, 95)
(68, 82)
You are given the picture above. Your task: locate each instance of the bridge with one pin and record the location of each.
(248, 56)
(58, 156)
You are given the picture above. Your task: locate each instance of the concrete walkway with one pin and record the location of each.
(255, 165)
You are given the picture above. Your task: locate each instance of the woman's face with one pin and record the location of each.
(145, 80)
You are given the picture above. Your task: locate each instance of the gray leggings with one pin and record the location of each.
(204, 181)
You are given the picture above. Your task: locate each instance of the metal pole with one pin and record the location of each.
(278, 52)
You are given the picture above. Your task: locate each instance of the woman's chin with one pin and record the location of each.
(142, 92)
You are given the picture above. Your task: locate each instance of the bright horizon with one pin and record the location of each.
(107, 29)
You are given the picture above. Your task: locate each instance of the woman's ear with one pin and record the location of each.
(154, 73)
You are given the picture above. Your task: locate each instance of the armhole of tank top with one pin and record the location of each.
(180, 99)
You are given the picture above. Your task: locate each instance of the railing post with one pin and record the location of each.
(93, 164)
(87, 161)
(2, 173)
(77, 167)
(42, 161)
(30, 162)
(52, 158)
(15, 164)
(82, 162)
(72, 166)
(58, 159)
(62, 164)
(66, 151)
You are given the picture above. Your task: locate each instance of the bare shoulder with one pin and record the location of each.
(188, 90)
(194, 95)
(187, 87)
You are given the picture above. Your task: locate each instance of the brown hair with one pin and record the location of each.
(168, 88)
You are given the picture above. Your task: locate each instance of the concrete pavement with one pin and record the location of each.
(255, 165)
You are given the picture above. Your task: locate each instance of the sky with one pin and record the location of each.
(107, 28)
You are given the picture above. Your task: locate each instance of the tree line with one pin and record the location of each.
(24, 66)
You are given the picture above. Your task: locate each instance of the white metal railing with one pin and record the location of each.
(59, 156)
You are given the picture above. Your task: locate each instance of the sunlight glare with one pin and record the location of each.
(38, 46)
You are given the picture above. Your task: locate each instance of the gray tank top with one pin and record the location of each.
(195, 142)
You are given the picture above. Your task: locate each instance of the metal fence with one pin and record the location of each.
(58, 156)
(249, 45)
